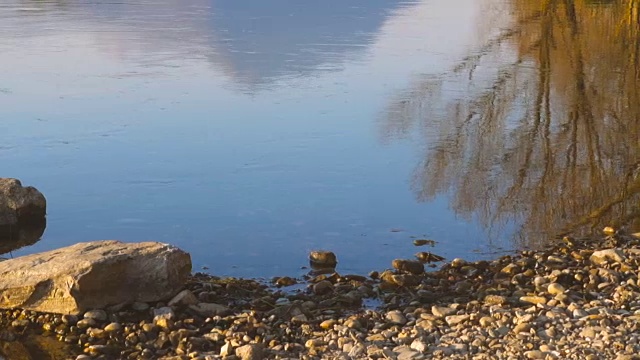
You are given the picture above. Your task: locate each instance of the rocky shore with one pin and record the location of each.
(579, 299)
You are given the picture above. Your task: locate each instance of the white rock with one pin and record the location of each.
(419, 345)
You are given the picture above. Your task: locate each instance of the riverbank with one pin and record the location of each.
(579, 299)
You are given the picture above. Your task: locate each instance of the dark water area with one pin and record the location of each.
(249, 133)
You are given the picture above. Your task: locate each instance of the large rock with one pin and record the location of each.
(20, 204)
(93, 275)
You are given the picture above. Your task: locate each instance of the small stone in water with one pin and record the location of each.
(410, 266)
(323, 259)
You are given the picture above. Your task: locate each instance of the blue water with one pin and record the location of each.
(246, 133)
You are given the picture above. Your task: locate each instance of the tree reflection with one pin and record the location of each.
(540, 127)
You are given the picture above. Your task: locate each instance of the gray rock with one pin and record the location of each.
(163, 313)
(209, 309)
(140, 306)
(396, 317)
(93, 275)
(184, 297)
(97, 315)
(20, 204)
(322, 287)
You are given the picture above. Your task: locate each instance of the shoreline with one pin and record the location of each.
(578, 299)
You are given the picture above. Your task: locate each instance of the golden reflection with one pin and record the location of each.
(540, 126)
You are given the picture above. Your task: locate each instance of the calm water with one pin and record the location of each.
(249, 133)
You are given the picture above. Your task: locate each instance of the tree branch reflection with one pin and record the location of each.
(540, 126)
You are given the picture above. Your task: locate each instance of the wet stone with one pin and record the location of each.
(409, 266)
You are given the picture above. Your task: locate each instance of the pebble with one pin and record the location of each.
(113, 327)
(97, 315)
(442, 311)
(250, 352)
(555, 289)
(419, 345)
(163, 313)
(454, 320)
(535, 354)
(533, 299)
(322, 287)
(396, 317)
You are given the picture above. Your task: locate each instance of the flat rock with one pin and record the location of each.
(93, 275)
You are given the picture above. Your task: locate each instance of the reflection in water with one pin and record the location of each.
(18, 236)
(540, 127)
(254, 42)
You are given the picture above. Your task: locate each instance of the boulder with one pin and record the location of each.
(93, 275)
(19, 204)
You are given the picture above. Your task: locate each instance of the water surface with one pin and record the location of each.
(250, 133)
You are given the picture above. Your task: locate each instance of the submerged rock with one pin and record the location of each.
(93, 275)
